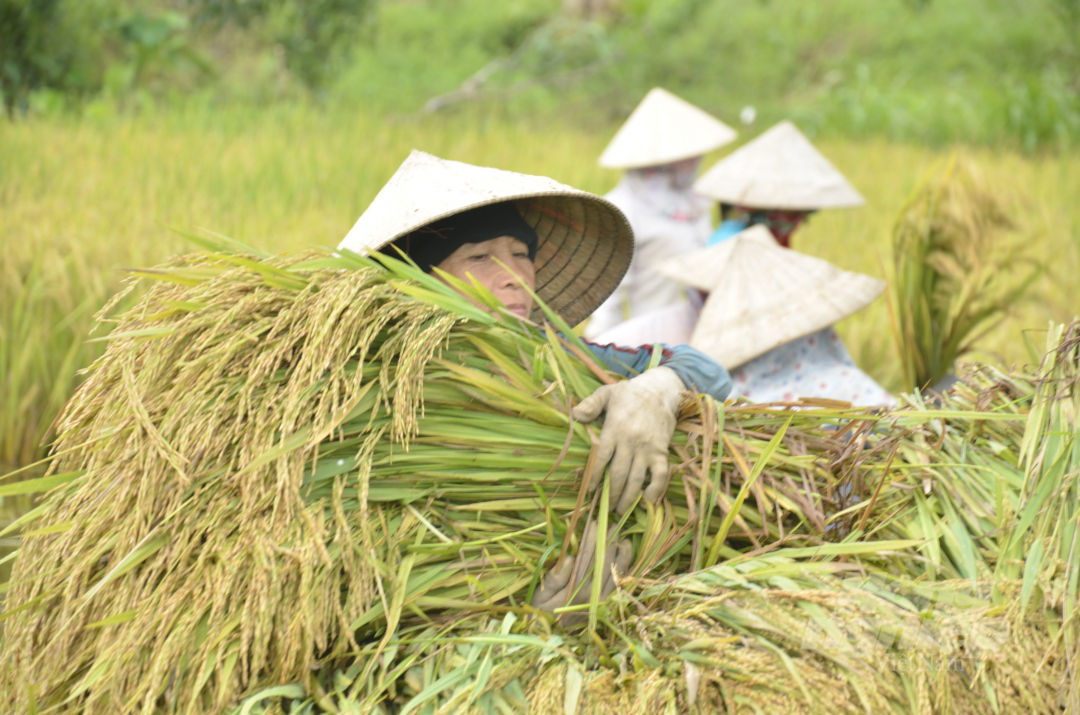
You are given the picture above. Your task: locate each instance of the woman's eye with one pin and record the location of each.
(478, 258)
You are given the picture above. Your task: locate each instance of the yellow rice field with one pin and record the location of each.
(80, 201)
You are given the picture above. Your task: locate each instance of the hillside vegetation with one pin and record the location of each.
(982, 71)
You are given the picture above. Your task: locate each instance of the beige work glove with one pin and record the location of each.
(554, 591)
(636, 434)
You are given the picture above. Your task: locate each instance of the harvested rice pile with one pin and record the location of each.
(317, 484)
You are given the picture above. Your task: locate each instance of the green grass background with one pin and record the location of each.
(937, 71)
(996, 72)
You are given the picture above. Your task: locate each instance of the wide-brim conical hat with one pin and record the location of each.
(780, 169)
(664, 129)
(585, 243)
(762, 295)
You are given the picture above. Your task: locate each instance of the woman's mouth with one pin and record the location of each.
(518, 309)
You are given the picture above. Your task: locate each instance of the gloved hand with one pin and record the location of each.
(637, 431)
(554, 591)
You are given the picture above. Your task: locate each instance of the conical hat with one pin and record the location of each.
(664, 129)
(762, 296)
(780, 169)
(585, 242)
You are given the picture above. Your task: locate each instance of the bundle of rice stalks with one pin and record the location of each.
(324, 484)
(955, 261)
(825, 629)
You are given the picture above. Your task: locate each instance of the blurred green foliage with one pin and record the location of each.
(314, 36)
(56, 51)
(934, 71)
(46, 44)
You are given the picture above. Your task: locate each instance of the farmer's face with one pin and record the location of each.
(479, 261)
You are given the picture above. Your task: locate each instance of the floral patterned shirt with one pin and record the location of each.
(817, 365)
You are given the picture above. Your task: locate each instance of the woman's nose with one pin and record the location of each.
(507, 279)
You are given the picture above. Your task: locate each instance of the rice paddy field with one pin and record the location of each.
(82, 200)
(172, 558)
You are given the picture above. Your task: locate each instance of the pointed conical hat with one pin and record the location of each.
(762, 296)
(780, 169)
(584, 242)
(664, 129)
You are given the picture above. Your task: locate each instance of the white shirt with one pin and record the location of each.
(668, 220)
(672, 325)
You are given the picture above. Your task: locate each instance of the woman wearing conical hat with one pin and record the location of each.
(766, 313)
(504, 229)
(776, 180)
(660, 148)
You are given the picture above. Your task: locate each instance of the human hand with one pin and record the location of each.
(556, 588)
(637, 431)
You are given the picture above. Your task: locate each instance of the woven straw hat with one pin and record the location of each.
(585, 242)
(664, 129)
(762, 296)
(780, 169)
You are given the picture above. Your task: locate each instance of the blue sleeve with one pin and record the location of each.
(726, 230)
(697, 370)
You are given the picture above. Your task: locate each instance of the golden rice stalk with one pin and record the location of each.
(955, 259)
(318, 475)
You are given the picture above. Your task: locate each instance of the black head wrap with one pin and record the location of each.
(432, 244)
